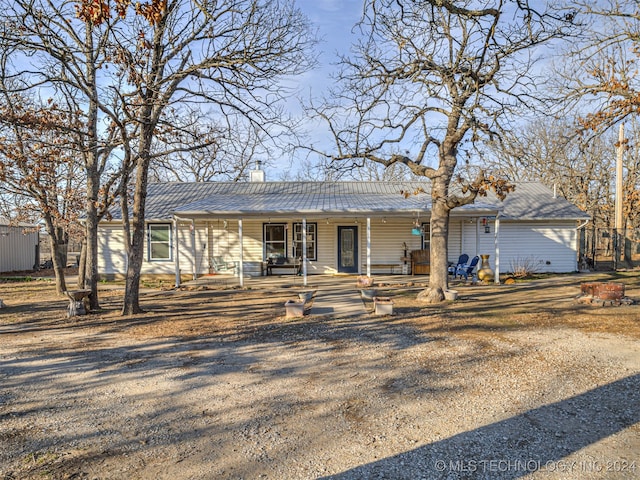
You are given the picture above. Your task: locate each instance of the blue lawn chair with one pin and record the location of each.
(462, 260)
(466, 270)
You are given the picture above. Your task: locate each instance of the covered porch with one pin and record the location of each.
(389, 245)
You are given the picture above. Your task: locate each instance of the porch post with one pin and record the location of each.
(368, 246)
(497, 245)
(192, 230)
(477, 235)
(241, 264)
(304, 251)
(176, 250)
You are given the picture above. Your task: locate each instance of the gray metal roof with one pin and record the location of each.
(6, 222)
(528, 201)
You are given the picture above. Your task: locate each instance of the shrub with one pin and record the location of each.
(524, 266)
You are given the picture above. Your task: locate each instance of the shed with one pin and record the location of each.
(18, 246)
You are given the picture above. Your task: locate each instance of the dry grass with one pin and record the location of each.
(544, 302)
(216, 383)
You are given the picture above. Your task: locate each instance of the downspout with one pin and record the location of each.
(497, 248)
(477, 236)
(241, 264)
(368, 246)
(578, 228)
(192, 230)
(583, 225)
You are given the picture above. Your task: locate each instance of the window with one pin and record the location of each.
(426, 236)
(275, 240)
(312, 228)
(159, 242)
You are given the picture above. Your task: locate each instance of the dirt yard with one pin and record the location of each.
(506, 382)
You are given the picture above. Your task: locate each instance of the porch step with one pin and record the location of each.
(341, 303)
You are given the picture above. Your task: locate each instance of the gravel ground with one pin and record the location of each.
(246, 394)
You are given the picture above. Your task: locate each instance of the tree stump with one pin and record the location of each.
(76, 302)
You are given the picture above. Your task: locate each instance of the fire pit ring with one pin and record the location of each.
(601, 293)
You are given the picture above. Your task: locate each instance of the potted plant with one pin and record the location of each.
(294, 308)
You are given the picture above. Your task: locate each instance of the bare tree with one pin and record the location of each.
(52, 50)
(38, 165)
(131, 63)
(228, 54)
(602, 72)
(427, 83)
(577, 164)
(194, 148)
(602, 81)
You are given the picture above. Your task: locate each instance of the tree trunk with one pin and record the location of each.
(438, 275)
(54, 243)
(131, 304)
(62, 246)
(626, 249)
(135, 256)
(440, 209)
(93, 172)
(82, 264)
(91, 222)
(135, 246)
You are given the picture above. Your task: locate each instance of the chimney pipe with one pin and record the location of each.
(257, 175)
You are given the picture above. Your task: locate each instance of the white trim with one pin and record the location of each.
(304, 249)
(368, 246)
(192, 230)
(149, 227)
(497, 248)
(241, 264)
(177, 250)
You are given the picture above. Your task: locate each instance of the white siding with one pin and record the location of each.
(224, 240)
(17, 249)
(188, 240)
(216, 238)
(112, 258)
(454, 245)
(476, 241)
(387, 243)
(551, 246)
(327, 249)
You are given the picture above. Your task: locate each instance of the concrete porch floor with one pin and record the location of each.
(329, 282)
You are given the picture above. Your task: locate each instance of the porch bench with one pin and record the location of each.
(381, 266)
(284, 263)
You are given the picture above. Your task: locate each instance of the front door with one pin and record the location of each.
(348, 249)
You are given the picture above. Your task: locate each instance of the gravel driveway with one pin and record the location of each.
(205, 396)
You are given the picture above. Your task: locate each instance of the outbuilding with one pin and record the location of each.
(18, 246)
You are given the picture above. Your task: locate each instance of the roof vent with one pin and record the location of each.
(257, 175)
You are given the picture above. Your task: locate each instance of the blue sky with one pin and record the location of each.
(334, 21)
